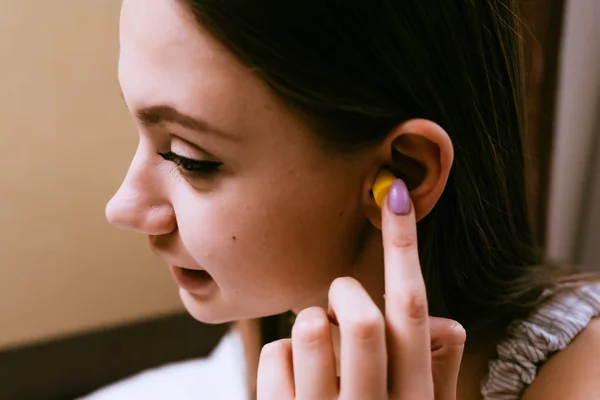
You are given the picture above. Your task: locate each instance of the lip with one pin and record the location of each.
(196, 281)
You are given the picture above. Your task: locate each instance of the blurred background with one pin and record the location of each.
(82, 304)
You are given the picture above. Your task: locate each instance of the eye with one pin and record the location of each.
(192, 168)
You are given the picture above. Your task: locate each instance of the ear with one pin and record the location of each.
(419, 152)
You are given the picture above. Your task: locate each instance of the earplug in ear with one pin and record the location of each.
(381, 186)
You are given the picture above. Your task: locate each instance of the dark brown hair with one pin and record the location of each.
(354, 69)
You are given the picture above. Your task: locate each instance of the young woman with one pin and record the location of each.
(263, 127)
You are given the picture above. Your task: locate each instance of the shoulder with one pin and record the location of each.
(543, 355)
(572, 373)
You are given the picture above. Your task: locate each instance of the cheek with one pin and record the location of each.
(295, 241)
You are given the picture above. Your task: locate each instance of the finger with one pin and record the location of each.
(275, 379)
(406, 308)
(313, 356)
(447, 346)
(363, 355)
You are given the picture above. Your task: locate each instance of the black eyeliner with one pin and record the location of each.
(188, 166)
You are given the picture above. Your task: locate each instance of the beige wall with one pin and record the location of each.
(66, 139)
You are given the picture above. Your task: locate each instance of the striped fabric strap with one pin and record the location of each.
(530, 342)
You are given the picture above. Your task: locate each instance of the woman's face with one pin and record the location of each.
(268, 214)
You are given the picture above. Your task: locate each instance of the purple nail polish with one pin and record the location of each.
(399, 198)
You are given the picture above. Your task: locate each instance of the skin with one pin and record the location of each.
(574, 373)
(281, 219)
(398, 354)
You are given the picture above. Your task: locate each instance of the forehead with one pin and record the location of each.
(167, 58)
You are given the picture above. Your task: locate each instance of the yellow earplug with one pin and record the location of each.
(382, 184)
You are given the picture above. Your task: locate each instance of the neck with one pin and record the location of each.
(366, 266)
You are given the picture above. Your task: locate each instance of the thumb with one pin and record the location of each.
(447, 344)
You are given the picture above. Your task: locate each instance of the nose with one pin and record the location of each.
(140, 204)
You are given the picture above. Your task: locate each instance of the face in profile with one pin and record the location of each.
(233, 192)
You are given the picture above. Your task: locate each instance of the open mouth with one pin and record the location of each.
(195, 274)
(192, 280)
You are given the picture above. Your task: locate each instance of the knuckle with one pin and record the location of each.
(274, 350)
(311, 325)
(447, 331)
(416, 305)
(447, 336)
(405, 240)
(365, 325)
(458, 334)
(340, 283)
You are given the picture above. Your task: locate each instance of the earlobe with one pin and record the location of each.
(419, 152)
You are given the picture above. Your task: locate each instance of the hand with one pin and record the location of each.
(403, 355)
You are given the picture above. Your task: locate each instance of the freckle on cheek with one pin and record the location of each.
(234, 238)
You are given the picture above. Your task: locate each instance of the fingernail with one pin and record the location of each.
(399, 198)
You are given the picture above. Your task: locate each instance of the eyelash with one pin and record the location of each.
(192, 168)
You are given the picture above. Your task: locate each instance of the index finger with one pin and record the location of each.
(406, 311)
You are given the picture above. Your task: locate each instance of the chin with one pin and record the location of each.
(206, 310)
(213, 310)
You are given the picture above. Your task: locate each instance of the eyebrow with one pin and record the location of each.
(156, 115)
